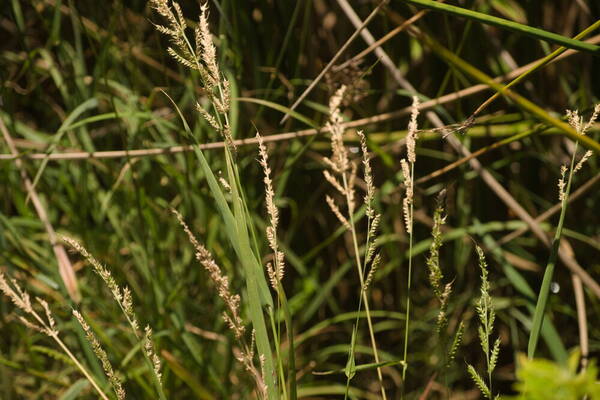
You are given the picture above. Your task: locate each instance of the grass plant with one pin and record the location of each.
(243, 179)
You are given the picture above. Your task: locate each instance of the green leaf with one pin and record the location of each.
(350, 369)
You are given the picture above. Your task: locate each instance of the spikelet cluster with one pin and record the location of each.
(411, 137)
(121, 296)
(150, 353)
(577, 123)
(201, 57)
(408, 195)
(368, 175)
(46, 325)
(113, 379)
(232, 301)
(407, 165)
(246, 358)
(21, 300)
(277, 267)
(339, 159)
(124, 299)
(342, 175)
(441, 291)
(487, 317)
(343, 172)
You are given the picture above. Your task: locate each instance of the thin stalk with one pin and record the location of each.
(540, 308)
(487, 348)
(276, 329)
(81, 368)
(363, 289)
(409, 284)
(362, 284)
(521, 101)
(290, 335)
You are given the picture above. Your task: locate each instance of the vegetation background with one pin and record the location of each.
(88, 76)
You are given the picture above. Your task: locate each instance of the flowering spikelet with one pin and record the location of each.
(203, 58)
(246, 358)
(408, 196)
(232, 302)
(208, 117)
(46, 326)
(276, 271)
(113, 379)
(435, 272)
(121, 296)
(269, 192)
(336, 211)
(21, 300)
(175, 30)
(433, 261)
(151, 353)
(374, 266)
(209, 54)
(576, 122)
(583, 159)
(368, 175)
(334, 182)
(339, 158)
(562, 183)
(372, 234)
(411, 137)
(592, 119)
(18, 296)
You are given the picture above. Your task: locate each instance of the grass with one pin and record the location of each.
(275, 280)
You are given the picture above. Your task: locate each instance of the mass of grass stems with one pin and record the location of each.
(439, 335)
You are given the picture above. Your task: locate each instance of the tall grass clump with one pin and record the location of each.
(272, 382)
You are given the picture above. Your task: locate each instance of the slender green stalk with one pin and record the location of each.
(542, 300)
(80, 367)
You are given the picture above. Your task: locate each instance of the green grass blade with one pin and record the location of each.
(542, 300)
(238, 236)
(508, 25)
(279, 107)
